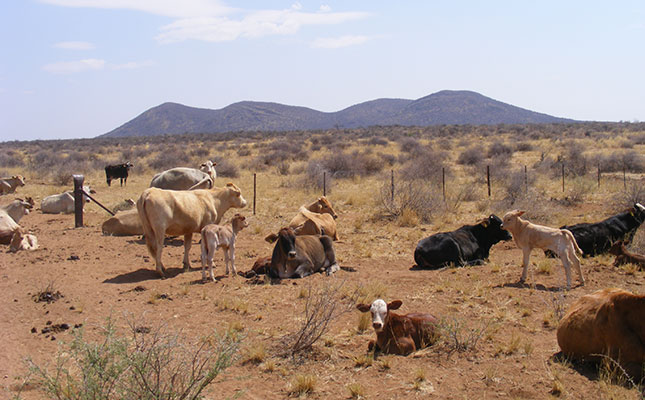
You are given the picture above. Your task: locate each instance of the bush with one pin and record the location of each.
(471, 156)
(227, 169)
(149, 364)
(426, 164)
(499, 149)
(410, 196)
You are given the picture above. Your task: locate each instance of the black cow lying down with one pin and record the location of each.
(468, 245)
(597, 238)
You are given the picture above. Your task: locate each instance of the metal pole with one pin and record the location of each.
(324, 183)
(443, 182)
(78, 200)
(563, 177)
(526, 180)
(392, 186)
(488, 178)
(254, 191)
(598, 174)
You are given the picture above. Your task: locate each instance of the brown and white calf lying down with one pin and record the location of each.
(220, 236)
(528, 236)
(399, 334)
(624, 256)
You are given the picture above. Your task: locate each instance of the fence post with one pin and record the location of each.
(624, 177)
(324, 183)
(488, 178)
(599, 175)
(562, 177)
(392, 186)
(78, 200)
(526, 180)
(443, 182)
(254, 190)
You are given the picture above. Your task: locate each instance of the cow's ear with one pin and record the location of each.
(214, 163)
(394, 305)
(485, 223)
(519, 213)
(363, 307)
(271, 238)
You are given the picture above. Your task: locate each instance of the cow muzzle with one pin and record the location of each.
(291, 255)
(377, 326)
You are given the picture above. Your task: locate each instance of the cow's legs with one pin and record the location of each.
(525, 263)
(576, 263)
(304, 269)
(188, 242)
(211, 257)
(161, 270)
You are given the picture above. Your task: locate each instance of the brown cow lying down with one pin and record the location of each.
(299, 256)
(624, 256)
(399, 334)
(607, 322)
(528, 235)
(124, 223)
(318, 218)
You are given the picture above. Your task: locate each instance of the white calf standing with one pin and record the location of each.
(216, 236)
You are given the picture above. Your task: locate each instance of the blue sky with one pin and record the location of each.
(80, 68)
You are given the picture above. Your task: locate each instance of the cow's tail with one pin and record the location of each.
(573, 239)
(151, 240)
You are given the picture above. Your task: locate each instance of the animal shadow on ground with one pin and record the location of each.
(142, 274)
(170, 241)
(200, 281)
(590, 369)
(539, 286)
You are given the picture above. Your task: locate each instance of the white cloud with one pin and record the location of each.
(74, 45)
(71, 67)
(92, 64)
(168, 8)
(338, 42)
(252, 25)
(131, 65)
(214, 21)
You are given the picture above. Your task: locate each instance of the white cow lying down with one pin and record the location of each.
(62, 203)
(181, 178)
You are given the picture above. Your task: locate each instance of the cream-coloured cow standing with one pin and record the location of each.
(528, 235)
(220, 236)
(176, 212)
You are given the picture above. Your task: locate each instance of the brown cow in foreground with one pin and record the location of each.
(624, 256)
(607, 322)
(178, 212)
(399, 334)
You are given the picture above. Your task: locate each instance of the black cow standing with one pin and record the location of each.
(468, 245)
(597, 238)
(119, 171)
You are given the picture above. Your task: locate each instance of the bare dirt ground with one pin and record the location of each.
(101, 277)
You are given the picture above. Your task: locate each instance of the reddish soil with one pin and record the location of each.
(114, 276)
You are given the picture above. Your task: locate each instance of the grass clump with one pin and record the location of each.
(303, 384)
(147, 364)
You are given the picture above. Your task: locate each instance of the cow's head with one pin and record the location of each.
(511, 219)
(638, 212)
(235, 196)
(239, 222)
(287, 243)
(208, 167)
(324, 206)
(19, 179)
(380, 312)
(618, 248)
(25, 204)
(493, 226)
(128, 165)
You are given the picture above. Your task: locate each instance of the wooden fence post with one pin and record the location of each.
(563, 177)
(624, 177)
(488, 178)
(526, 180)
(78, 200)
(254, 191)
(599, 175)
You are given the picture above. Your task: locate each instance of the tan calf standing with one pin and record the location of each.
(528, 236)
(220, 236)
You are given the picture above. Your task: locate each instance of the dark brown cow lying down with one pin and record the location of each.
(606, 322)
(299, 256)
